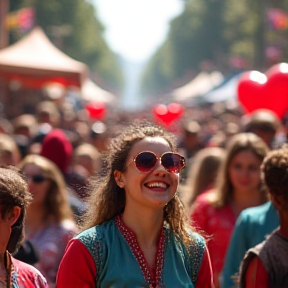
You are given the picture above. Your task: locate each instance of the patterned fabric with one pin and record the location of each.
(22, 275)
(51, 243)
(195, 253)
(112, 241)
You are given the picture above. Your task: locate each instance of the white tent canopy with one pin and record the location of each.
(200, 85)
(225, 92)
(35, 61)
(93, 93)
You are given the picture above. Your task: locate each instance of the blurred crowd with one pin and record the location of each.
(60, 150)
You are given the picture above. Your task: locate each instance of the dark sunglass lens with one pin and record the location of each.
(173, 162)
(38, 178)
(145, 161)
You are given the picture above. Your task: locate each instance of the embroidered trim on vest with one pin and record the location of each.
(153, 278)
(195, 253)
(92, 240)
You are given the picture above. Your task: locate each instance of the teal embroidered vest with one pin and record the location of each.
(117, 266)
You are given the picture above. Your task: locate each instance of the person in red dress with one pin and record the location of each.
(238, 187)
(14, 198)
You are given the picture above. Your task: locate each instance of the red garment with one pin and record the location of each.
(22, 275)
(217, 223)
(256, 275)
(77, 255)
(57, 148)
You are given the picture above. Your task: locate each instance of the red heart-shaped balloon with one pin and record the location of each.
(96, 110)
(265, 91)
(168, 114)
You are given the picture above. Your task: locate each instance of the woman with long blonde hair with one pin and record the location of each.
(238, 186)
(49, 223)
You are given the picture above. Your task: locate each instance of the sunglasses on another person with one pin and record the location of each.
(38, 178)
(172, 162)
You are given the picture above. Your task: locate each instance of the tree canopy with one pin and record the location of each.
(213, 31)
(73, 26)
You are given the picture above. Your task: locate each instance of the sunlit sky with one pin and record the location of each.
(135, 28)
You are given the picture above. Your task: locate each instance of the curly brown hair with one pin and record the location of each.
(14, 192)
(107, 199)
(275, 173)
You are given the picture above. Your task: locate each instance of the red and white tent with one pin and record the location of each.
(34, 61)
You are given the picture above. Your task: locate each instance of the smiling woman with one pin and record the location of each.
(135, 217)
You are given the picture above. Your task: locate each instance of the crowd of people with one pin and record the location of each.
(126, 202)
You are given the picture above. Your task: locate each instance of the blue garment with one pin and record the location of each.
(252, 225)
(117, 267)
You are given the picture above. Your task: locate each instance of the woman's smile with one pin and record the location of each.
(157, 186)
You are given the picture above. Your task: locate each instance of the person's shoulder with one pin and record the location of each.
(196, 239)
(97, 239)
(204, 202)
(96, 231)
(24, 266)
(207, 196)
(275, 239)
(30, 272)
(253, 213)
(203, 199)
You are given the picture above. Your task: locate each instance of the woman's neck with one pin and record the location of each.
(146, 224)
(242, 200)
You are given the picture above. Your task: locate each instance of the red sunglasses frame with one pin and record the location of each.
(181, 158)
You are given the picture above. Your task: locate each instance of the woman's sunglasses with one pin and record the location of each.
(37, 178)
(172, 162)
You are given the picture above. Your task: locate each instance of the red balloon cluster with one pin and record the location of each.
(96, 110)
(265, 91)
(167, 114)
